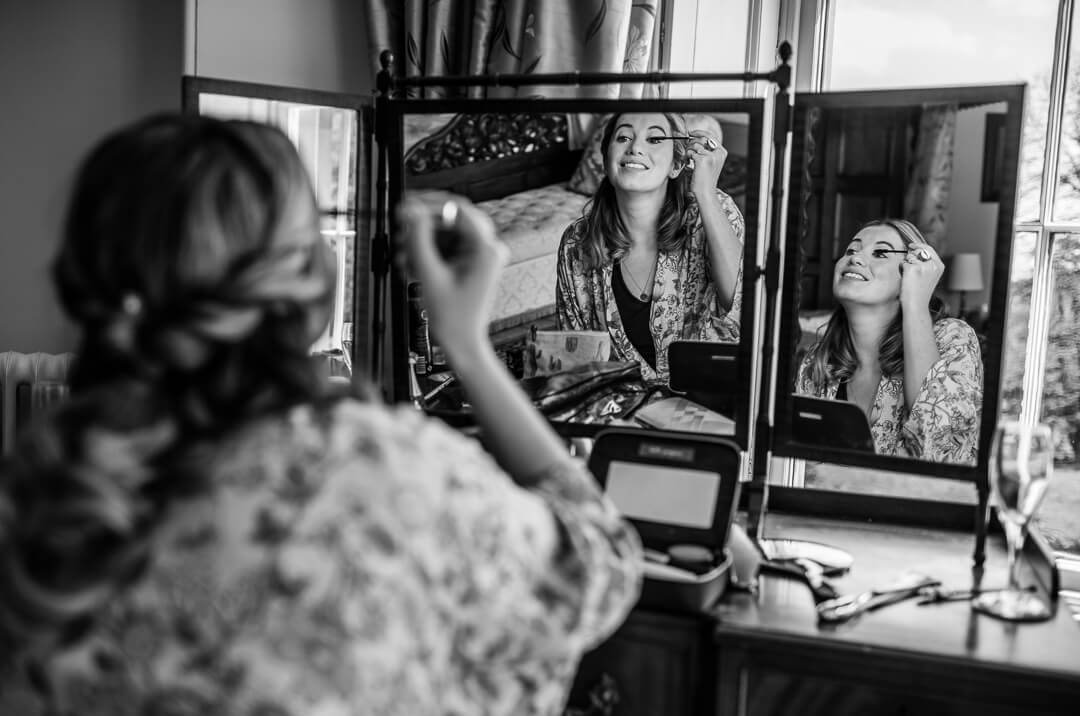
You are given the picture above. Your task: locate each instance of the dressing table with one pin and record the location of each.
(765, 653)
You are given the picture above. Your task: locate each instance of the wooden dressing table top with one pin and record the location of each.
(939, 640)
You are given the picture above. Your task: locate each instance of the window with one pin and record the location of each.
(877, 44)
(707, 36)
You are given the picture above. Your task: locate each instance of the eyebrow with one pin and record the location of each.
(879, 242)
(631, 128)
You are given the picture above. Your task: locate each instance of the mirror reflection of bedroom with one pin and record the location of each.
(536, 175)
(527, 174)
(936, 163)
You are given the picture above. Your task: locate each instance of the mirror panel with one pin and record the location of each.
(946, 160)
(533, 167)
(329, 133)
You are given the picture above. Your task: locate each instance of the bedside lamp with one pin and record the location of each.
(965, 274)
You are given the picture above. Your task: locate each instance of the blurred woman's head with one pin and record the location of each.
(636, 162)
(192, 263)
(191, 254)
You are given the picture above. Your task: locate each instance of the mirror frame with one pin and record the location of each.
(362, 315)
(794, 259)
(393, 111)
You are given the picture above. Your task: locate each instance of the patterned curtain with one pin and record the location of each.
(926, 201)
(475, 37)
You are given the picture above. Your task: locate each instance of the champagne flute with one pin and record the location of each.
(1021, 462)
(347, 344)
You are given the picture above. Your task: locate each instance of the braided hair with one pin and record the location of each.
(192, 263)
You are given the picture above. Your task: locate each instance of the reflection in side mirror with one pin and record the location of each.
(914, 161)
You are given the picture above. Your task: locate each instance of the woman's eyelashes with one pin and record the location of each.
(624, 138)
(876, 253)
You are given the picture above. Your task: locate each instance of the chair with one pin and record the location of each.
(18, 374)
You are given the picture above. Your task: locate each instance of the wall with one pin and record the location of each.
(972, 222)
(313, 44)
(71, 71)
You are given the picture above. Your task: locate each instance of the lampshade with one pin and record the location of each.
(965, 273)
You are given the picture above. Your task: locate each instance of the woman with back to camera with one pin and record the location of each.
(657, 256)
(203, 529)
(918, 377)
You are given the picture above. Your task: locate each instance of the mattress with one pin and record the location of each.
(531, 224)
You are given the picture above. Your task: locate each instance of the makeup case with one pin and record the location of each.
(680, 491)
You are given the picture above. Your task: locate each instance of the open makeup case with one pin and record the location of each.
(680, 492)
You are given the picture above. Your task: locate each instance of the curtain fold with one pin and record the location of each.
(473, 37)
(926, 200)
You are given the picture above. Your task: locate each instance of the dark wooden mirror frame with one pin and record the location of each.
(394, 112)
(793, 261)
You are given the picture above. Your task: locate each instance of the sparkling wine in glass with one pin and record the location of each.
(347, 343)
(1021, 462)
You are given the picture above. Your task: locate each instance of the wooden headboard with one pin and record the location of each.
(489, 156)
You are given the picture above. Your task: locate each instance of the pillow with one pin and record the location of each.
(590, 170)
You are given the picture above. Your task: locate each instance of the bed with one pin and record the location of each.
(516, 167)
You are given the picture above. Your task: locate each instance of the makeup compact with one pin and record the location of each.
(680, 492)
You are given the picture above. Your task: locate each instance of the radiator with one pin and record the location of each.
(18, 374)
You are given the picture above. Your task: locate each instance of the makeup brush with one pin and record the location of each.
(710, 143)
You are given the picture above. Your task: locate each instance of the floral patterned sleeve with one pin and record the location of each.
(532, 577)
(722, 325)
(738, 225)
(803, 384)
(569, 312)
(943, 424)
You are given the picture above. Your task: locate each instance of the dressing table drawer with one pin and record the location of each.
(656, 663)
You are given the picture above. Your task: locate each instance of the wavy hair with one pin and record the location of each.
(605, 238)
(180, 266)
(833, 357)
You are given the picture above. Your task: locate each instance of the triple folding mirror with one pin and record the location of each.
(536, 168)
(944, 158)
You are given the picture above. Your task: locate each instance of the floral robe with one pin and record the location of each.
(357, 559)
(943, 424)
(687, 308)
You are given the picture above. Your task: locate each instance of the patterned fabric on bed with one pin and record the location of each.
(531, 223)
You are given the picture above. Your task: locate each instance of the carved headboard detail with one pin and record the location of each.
(471, 138)
(488, 156)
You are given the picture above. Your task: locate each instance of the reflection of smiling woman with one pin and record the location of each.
(657, 256)
(918, 380)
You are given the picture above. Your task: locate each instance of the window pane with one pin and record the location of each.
(921, 43)
(1067, 199)
(1059, 516)
(1016, 327)
(708, 37)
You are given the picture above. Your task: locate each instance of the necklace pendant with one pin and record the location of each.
(644, 296)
